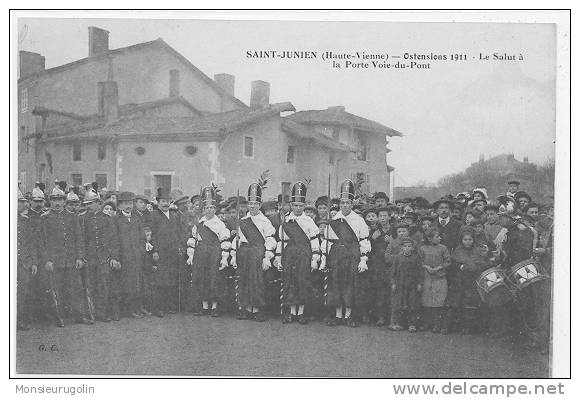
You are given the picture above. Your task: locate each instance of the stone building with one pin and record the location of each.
(142, 117)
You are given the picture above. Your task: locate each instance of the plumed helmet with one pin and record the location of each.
(347, 190)
(298, 193)
(208, 196)
(255, 192)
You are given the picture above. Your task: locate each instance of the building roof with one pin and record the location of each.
(159, 43)
(136, 126)
(337, 115)
(300, 131)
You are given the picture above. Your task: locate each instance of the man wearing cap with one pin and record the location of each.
(447, 226)
(513, 187)
(142, 211)
(252, 253)
(27, 264)
(39, 283)
(62, 255)
(126, 280)
(345, 251)
(210, 241)
(101, 253)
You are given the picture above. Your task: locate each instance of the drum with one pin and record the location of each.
(494, 287)
(526, 273)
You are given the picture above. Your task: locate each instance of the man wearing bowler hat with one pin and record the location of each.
(169, 246)
(126, 279)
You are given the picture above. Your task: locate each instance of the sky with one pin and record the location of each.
(448, 114)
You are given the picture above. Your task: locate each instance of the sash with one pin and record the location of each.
(344, 232)
(251, 232)
(208, 236)
(296, 234)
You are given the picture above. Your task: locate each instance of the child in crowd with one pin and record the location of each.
(405, 287)
(395, 244)
(380, 272)
(463, 301)
(435, 260)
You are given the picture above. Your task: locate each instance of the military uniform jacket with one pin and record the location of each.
(35, 229)
(63, 241)
(26, 251)
(101, 238)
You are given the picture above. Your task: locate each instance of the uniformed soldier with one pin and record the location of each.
(345, 248)
(210, 240)
(297, 254)
(252, 253)
(63, 253)
(27, 261)
(39, 283)
(101, 253)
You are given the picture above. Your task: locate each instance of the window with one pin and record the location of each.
(362, 146)
(190, 150)
(101, 151)
(77, 179)
(249, 147)
(336, 133)
(140, 151)
(101, 180)
(290, 154)
(331, 158)
(76, 149)
(23, 181)
(24, 100)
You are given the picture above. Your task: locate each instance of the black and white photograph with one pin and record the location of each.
(204, 196)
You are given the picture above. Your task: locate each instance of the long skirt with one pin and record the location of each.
(434, 290)
(208, 281)
(343, 267)
(297, 288)
(251, 276)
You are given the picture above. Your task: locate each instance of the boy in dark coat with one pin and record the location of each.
(405, 287)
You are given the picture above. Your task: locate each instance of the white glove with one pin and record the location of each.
(278, 263)
(233, 261)
(148, 247)
(362, 265)
(314, 264)
(322, 266)
(190, 252)
(223, 264)
(266, 264)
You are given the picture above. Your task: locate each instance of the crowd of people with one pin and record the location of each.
(465, 263)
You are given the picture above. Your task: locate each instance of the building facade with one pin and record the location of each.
(142, 117)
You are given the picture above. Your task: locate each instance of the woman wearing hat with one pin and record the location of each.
(345, 251)
(252, 253)
(210, 240)
(297, 253)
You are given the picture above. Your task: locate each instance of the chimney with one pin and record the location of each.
(260, 97)
(98, 41)
(336, 108)
(30, 63)
(108, 100)
(174, 83)
(226, 82)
